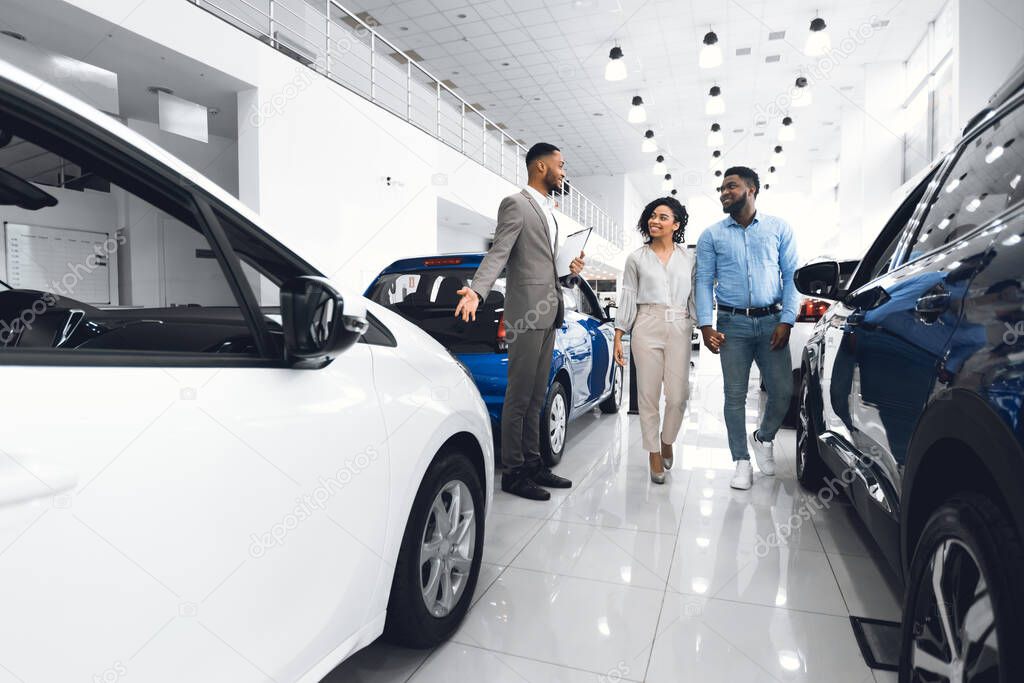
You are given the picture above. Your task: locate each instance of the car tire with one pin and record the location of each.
(811, 470)
(410, 620)
(554, 423)
(970, 550)
(614, 401)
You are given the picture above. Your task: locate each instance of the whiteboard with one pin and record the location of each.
(72, 263)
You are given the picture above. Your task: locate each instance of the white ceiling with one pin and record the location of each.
(138, 62)
(553, 87)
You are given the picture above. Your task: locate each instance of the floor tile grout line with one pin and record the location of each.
(759, 604)
(605, 582)
(668, 577)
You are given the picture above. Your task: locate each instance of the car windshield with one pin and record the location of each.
(427, 297)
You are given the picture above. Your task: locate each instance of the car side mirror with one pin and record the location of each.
(316, 324)
(819, 280)
(867, 299)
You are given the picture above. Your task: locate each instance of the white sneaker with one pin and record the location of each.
(744, 476)
(763, 453)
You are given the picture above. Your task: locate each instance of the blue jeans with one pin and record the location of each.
(748, 340)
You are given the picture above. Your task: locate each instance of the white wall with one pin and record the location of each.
(216, 159)
(990, 42)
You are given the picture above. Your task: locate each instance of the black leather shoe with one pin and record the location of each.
(545, 477)
(520, 484)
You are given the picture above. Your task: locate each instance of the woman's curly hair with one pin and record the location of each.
(678, 211)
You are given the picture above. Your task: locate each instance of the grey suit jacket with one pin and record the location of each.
(533, 296)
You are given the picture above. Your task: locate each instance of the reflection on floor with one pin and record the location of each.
(619, 579)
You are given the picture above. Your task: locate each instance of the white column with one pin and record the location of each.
(990, 43)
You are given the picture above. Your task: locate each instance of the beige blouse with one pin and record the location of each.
(646, 280)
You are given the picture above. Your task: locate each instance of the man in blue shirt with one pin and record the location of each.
(747, 261)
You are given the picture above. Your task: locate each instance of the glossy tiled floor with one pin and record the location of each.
(619, 579)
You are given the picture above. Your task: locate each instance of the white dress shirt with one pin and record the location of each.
(545, 205)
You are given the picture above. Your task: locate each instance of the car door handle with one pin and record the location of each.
(930, 306)
(20, 485)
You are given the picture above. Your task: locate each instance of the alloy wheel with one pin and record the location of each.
(556, 423)
(955, 635)
(448, 545)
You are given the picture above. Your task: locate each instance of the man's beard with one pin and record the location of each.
(736, 207)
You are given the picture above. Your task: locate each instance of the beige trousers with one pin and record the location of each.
(660, 344)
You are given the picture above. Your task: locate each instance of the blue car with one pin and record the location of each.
(583, 374)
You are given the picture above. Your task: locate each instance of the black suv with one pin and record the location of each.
(912, 396)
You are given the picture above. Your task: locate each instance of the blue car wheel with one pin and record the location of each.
(553, 423)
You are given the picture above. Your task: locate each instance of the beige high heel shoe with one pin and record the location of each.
(657, 477)
(669, 459)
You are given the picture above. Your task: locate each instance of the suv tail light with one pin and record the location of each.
(811, 310)
(501, 340)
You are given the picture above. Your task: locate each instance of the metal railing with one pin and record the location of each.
(329, 39)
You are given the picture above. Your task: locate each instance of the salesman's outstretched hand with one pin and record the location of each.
(467, 304)
(576, 267)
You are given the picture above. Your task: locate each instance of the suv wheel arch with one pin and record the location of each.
(944, 458)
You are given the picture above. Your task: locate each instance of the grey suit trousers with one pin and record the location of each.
(529, 364)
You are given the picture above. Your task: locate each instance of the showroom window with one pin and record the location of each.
(983, 183)
(929, 106)
(112, 260)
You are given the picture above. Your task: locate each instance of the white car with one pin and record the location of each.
(196, 485)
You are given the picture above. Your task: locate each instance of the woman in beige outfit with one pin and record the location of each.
(656, 306)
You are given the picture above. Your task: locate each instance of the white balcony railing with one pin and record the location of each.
(329, 39)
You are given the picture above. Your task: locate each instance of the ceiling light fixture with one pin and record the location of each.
(778, 158)
(649, 145)
(802, 96)
(818, 41)
(659, 166)
(716, 163)
(711, 53)
(666, 184)
(637, 112)
(615, 69)
(716, 103)
(715, 138)
(787, 133)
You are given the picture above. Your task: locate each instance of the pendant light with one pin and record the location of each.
(659, 166)
(637, 112)
(778, 158)
(715, 138)
(802, 96)
(716, 163)
(615, 69)
(649, 145)
(711, 53)
(715, 104)
(818, 41)
(787, 133)
(666, 184)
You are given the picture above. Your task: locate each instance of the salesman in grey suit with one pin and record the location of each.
(526, 239)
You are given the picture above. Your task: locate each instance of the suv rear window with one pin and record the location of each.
(427, 298)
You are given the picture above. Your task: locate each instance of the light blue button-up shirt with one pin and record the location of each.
(753, 267)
